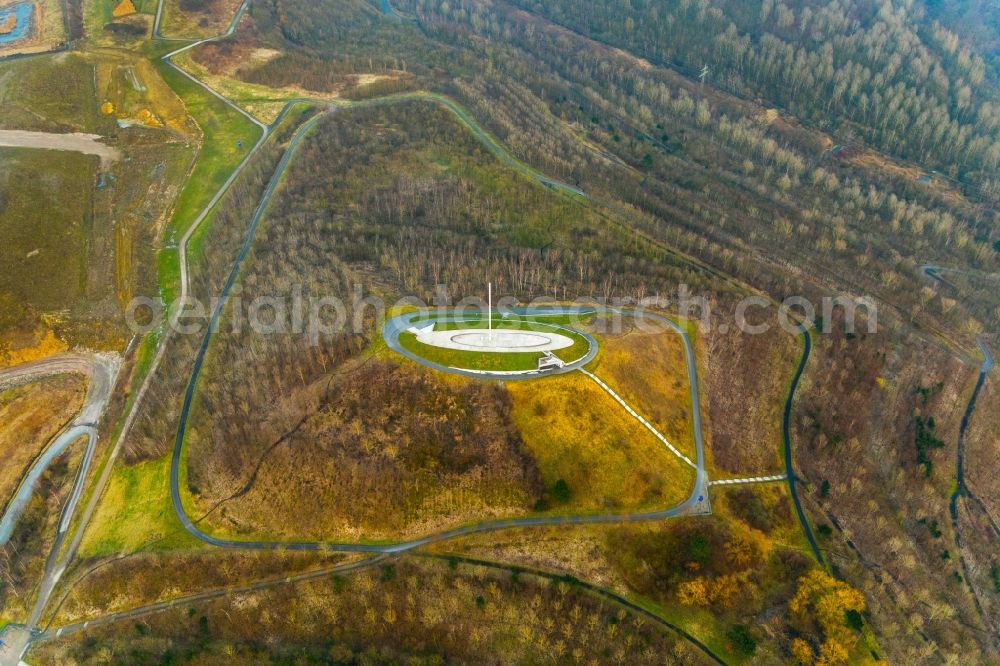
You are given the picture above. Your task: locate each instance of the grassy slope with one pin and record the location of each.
(598, 554)
(262, 102)
(97, 14)
(178, 23)
(31, 219)
(220, 154)
(579, 434)
(30, 417)
(48, 93)
(413, 611)
(135, 513)
(120, 523)
(647, 369)
(536, 227)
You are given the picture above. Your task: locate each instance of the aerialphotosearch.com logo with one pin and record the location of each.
(319, 317)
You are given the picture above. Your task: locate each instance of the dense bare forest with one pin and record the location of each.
(733, 182)
(391, 201)
(829, 150)
(875, 68)
(416, 611)
(751, 189)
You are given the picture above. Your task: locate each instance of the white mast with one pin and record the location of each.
(490, 316)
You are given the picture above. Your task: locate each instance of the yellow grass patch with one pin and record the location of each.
(30, 416)
(135, 513)
(879, 163)
(259, 56)
(154, 104)
(648, 370)
(48, 344)
(123, 8)
(124, 259)
(214, 20)
(262, 102)
(368, 79)
(579, 434)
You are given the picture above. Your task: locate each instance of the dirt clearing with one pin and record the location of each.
(76, 142)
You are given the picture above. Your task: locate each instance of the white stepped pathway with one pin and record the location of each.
(749, 479)
(639, 417)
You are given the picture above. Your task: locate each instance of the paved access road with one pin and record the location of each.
(208, 595)
(962, 490)
(699, 498)
(696, 503)
(786, 423)
(101, 371)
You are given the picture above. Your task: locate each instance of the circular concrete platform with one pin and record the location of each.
(499, 341)
(531, 341)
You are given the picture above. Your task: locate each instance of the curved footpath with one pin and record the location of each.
(17, 504)
(962, 490)
(786, 420)
(161, 348)
(56, 566)
(696, 503)
(209, 595)
(100, 371)
(132, 414)
(589, 587)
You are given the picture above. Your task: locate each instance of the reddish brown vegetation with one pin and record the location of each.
(389, 448)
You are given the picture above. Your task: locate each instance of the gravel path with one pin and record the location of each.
(76, 142)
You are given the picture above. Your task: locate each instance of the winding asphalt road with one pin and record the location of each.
(208, 595)
(55, 570)
(56, 566)
(962, 490)
(17, 504)
(698, 502)
(786, 422)
(100, 371)
(589, 587)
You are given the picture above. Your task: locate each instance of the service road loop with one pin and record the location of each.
(696, 503)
